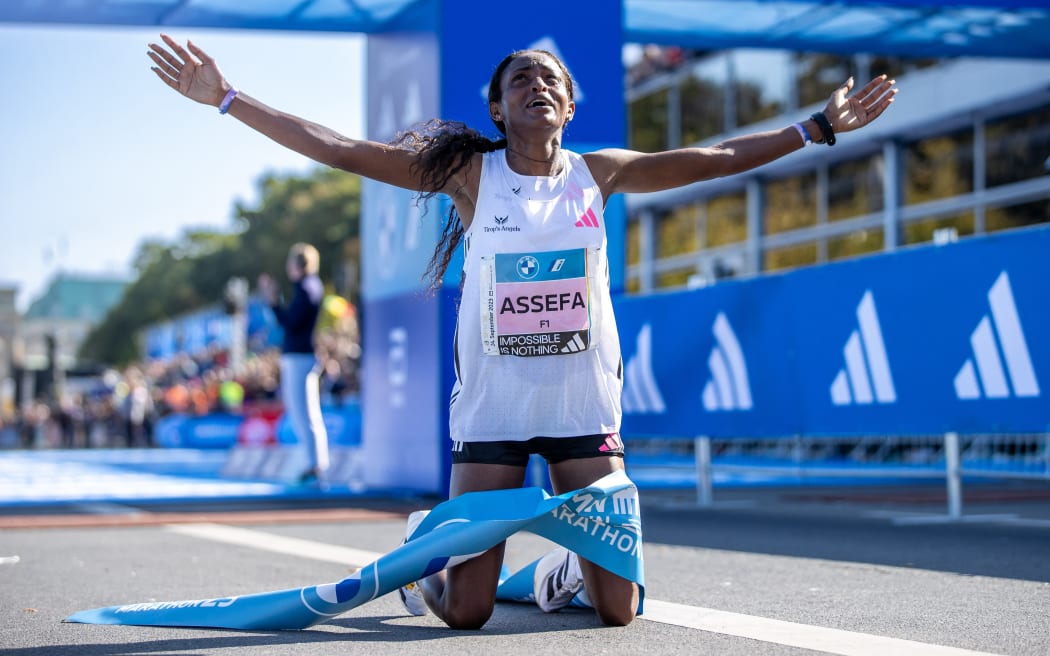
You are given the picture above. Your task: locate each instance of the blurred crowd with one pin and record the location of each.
(120, 408)
(656, 59)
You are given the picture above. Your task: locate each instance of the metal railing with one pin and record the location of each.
(950, 457)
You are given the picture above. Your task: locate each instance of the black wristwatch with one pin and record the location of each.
(827, 135)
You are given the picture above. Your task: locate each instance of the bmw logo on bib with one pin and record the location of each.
(528, 267)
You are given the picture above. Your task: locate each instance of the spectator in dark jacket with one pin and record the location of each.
(300, 370)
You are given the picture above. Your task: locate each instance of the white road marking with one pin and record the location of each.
(905, 518)
(328, 553)
(804, 636)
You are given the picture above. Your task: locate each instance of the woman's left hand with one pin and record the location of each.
(856, 111)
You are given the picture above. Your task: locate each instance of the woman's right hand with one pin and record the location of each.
(195, 75)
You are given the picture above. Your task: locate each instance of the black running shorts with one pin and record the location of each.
(553, 449)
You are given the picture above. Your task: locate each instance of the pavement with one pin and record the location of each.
(849, 569)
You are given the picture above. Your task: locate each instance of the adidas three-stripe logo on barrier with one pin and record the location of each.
(867, 366)
(729, 387)
(1008, 338)
(641, 395)
(1000, 367)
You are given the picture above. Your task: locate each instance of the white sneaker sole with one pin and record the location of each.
(556, 580)
(411, 595)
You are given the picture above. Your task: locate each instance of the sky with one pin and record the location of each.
(98, 155)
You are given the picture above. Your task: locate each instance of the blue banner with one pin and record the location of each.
(585, 36)
(342, 424)
(921, 341)
(397, 233)
(196, 332)
(220, 430)
(600, 522)
(217, 430)
(402, 403)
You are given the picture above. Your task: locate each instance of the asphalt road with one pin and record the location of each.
(763, 572)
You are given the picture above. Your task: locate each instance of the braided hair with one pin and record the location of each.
(445, 147)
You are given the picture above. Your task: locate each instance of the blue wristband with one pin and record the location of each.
(224, 106)
(804, 133)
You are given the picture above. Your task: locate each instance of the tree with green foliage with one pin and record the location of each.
(321, 208)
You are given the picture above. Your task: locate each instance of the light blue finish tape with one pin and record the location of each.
(600, 522)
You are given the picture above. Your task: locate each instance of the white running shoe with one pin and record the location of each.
(412, 599)
(412, 594)
(556, 580)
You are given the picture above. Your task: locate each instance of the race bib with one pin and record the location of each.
(538, 303)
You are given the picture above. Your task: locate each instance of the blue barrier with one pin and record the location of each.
(342, 422)
(219, 430)
(212, 431)
(925, 340)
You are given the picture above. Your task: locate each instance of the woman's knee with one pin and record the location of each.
(469, 595)
(615, 599)
(617, 614)
(468, 614)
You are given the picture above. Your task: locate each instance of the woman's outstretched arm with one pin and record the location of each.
(618, 170)
(194, 74)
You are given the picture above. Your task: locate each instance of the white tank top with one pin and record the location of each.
(536, 353)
